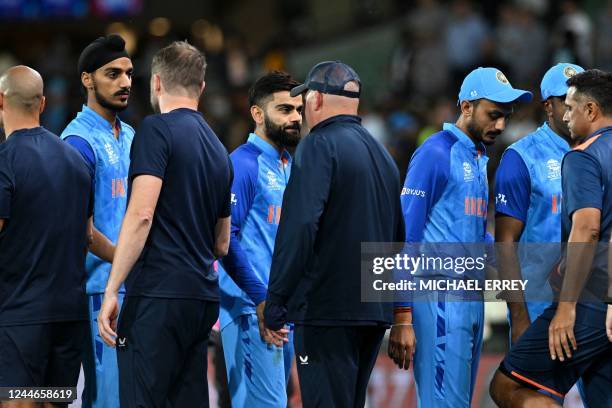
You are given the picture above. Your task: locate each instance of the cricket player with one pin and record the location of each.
(104, 141)
(528, 200)
(176, 224)
(568, 340)
(344, 190)
(45, 205)
(444, 200)
(257, 372)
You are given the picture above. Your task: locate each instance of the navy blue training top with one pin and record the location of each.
(587, 183)
(45, 200)
(177, 260)
(344, 189)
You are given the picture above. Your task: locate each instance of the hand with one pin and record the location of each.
(609, 322)
(278, 338)
(107, 318)
(402, 341)
(561, 330)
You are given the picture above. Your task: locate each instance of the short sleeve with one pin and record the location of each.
(581, 179)
(6, 187)
(512, 187)
(84, 148)
(150, 148)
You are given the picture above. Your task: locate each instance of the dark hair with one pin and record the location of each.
(594, 84)
(180, 65)
(272, 82)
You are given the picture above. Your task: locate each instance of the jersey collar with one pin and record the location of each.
(556, 139)
(465, 140)
(267, 148)
(598, 132)
(95, 118)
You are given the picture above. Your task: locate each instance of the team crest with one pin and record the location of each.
(501, 78)
(569, 71)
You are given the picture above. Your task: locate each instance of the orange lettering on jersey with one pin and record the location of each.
(467, 206)
(554, 203)
(278, 215)
(113, 188)
(270, 214)
(120, 188)
(479, 207)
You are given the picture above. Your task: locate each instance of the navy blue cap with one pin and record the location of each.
(554, 82)
(329, 77)
(491, 84)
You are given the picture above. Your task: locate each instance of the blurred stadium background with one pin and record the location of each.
(411, 56)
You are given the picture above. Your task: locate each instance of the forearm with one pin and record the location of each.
(579, 259)
(101, 246)
(134, 233)
(239, 269)
(509, 269)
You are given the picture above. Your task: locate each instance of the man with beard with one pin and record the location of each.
(444, 200)
(257, 373)
(176, 224)
(568, 340)
(104, 141)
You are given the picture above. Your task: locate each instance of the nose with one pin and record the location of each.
(500, 124)
(125, 81)
(295, 116)
(566, 116)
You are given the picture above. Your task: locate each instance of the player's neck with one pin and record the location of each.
(563, 135)
(109, 115)
(168, 103)
(600, 124)
(461, 125)
(19, 123)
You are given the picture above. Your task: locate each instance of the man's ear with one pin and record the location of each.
(467, 108)
(155, 83)
(43, 103)
(257, 114)
(318, 101)
(592, 110)
(86, 80)
(202, 87)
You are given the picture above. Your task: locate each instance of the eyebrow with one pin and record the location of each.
(287, 105)
(116, 69)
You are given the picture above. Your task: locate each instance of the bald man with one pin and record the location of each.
(344, 189)
(45, 203)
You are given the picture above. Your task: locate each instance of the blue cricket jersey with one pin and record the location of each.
(112, 162)
(446, 192)
(528, 188)
(261, 174)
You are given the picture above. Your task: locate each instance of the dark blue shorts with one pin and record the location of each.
(42, 355)
(528, 361)
(162, 351)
